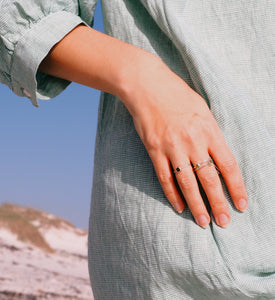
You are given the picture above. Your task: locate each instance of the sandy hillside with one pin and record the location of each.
(41, 256)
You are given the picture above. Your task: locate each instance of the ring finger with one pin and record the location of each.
(210, 181)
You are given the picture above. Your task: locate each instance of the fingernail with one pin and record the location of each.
(222, 220)
(178, 207)
(202, 221)
(242, 204)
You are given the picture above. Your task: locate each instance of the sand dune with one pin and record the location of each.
(41, 256)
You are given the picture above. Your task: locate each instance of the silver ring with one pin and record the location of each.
(179, 169)
(202, 164)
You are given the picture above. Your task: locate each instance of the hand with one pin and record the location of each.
(178, 130)
(172, 120)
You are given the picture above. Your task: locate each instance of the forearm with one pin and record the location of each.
(94, 59)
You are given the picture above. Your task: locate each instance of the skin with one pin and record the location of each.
(172, 120)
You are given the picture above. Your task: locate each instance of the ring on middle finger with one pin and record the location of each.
(202, 164)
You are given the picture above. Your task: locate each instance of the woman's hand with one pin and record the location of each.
(173, 121)
(179, 132)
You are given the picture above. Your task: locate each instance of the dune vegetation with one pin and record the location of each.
(18, 220)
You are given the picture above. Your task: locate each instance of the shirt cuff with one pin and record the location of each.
(32, 48)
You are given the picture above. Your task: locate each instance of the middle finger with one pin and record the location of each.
(189, 186)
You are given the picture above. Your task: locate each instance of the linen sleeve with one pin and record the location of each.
(28, 31)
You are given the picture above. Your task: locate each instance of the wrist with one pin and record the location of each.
(136, 75)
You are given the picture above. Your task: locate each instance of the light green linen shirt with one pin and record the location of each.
(139, 248)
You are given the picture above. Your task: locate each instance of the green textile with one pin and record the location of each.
(139, 248)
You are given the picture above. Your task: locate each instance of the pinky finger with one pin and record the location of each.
(166, 179)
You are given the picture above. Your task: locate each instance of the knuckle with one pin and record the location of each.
(219, 206)
(186, 182)
(155, 142)
(239, 188)
(210, 179)
(194, 138)
(152, 143)
(191, 133)
(165, 178)
(228, 166)
(170, 195)
(172, 141)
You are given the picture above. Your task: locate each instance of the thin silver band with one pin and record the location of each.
(205, 163)
(179, 169)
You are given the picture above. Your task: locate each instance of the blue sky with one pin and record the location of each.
(46, 153)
